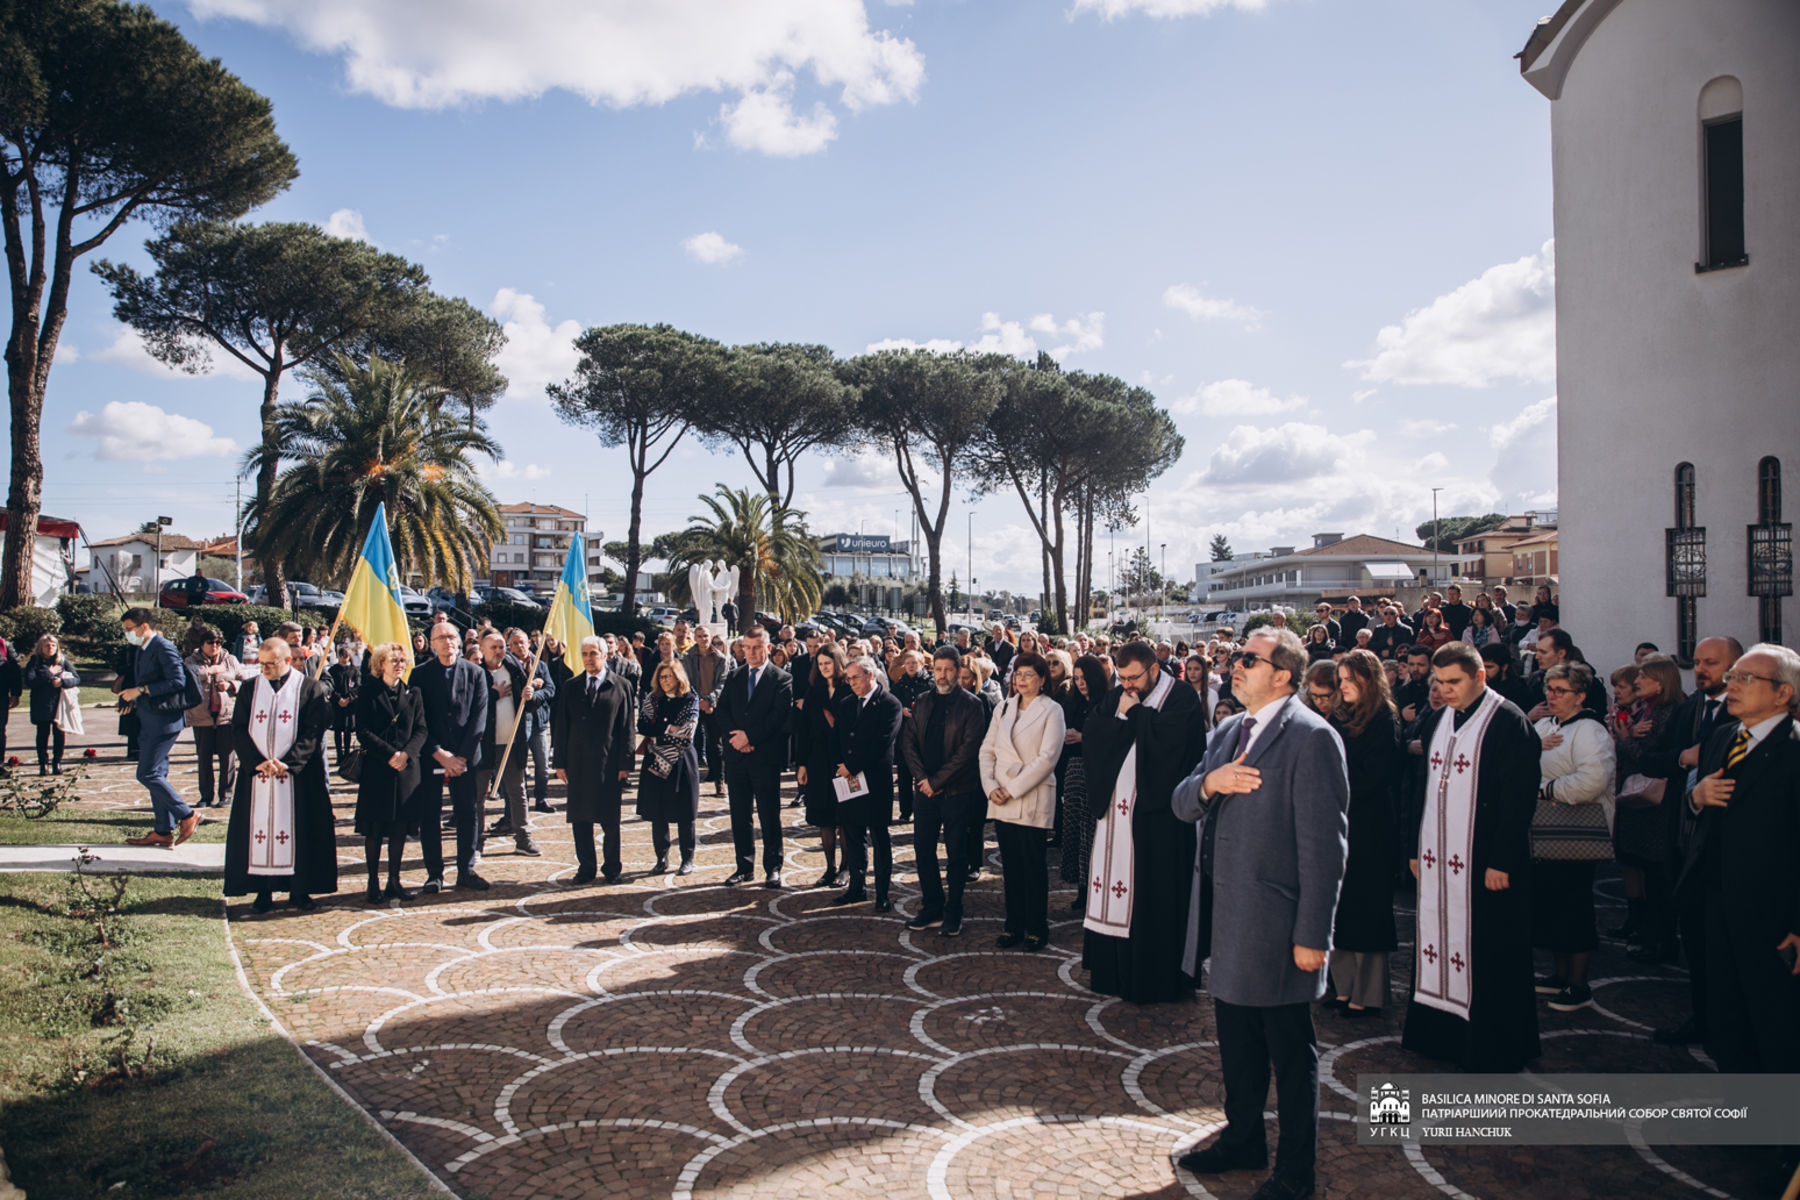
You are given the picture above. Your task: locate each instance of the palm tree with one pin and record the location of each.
(766, 541)
(367, 437)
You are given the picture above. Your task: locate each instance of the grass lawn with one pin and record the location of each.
(92, 827)
(225, 1106)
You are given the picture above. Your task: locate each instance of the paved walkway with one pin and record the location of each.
(670, 1037)
(188, 858)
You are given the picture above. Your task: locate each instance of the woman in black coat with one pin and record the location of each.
(816, 748)
(1363, 934)
(669, 787)
(390, 724)
(346, 681)
(47, 674)
(1088, 680)
(124, 669)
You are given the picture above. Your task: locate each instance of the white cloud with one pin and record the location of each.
(1075, 335)
(864, 470)
(1525, 455)
(127, 349)
(132, 431)
(1232, 397)
(535, 353)
(1185, 297)
(348, 223)
(1425, 427)
(1288, 453)
(439, 53)
(711, 248)
(1501, 325)
(1113, 9)
(512, 471)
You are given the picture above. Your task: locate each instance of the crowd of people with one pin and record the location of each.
(1237, 814)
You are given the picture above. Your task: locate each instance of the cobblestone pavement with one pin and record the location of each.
(669, 1036)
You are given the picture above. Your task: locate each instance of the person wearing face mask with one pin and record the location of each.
(159, 696)
(281, 834)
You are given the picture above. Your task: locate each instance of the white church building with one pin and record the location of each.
(1675, 150)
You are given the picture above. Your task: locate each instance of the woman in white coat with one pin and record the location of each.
(1018, 773)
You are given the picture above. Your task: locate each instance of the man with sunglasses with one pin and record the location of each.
(1140, 740)
(1272, 798)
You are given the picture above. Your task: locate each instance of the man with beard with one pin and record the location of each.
(1142, 738)
(280, 833)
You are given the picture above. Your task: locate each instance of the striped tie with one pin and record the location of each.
(1740, 749)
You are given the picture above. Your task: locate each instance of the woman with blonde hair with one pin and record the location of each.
(669, 787)
(390, 724)
(48, 675)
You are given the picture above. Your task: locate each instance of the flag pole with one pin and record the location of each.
(518, 716)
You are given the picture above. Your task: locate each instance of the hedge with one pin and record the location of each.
(23, 626)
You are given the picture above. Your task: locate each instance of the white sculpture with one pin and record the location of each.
(711, 584)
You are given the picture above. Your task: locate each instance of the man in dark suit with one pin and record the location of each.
(708, 666)
(1353, 621)
(537, 716)
(1334, 632)
(159, 685)
(753, 713)
(942, 747)
(1269, 869)
(868, 727)
(1391, 635)
(1689, 729)
(455, 694)
(595, 717)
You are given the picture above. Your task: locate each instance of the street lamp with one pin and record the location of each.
(161, 523)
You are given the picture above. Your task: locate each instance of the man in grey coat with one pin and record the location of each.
(1272, 797)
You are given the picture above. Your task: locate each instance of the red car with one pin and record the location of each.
(197, 590)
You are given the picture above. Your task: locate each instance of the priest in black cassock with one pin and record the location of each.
(281, 835)
(1141, 739)
(1472, 1001)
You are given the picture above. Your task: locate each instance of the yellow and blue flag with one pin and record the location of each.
(372, 602)
(571, 618)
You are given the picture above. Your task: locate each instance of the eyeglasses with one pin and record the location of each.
(1747, 676)
(1553, 690)
(1317, 694)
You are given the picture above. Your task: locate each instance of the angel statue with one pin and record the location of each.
(724, 587)
(700, 586)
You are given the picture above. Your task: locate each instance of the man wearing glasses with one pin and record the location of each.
(1141, 739)
(1743, 871)
(455, 695)
(1272, 798)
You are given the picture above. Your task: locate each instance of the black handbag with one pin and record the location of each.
(350, 763)
(190, 695)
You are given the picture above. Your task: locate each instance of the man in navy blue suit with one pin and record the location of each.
(753, 713)
(455, 692)
(159, 698)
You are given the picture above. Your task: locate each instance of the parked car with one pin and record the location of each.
(415, 603)
(197, 590)
(504, 595)
(306, 596)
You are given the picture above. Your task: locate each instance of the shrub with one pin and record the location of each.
(24, 625)
(82, 615)
(230, 619)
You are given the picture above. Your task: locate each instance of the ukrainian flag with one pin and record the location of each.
(571, 618)
(372, 602)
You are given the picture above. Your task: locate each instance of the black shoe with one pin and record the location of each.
(1078, 905)
(1358, 1014)
(302, 901)
(1275, 1187)
(528, 848)
(842, 879)
(686, 867)
(737, 877)
(1334, 1004)
(584, 875)
(394, 891)
(884, 905)
(950, 927)
(501, 828)
(974, 875)
(612, 877)
(1549, 985)
(773, 881)
(449, 823)
(660, 867)
(373, 895)
(828, 879)
(1216, 1159)
(433, 885)
(56, 768)
(848, 898)
(542, 806)
(1007, 941)
(1575, 996)
(925, 921)
(263, 903)
(471, 882)
(1033, 944)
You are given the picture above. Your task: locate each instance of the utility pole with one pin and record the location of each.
(237, 541)
(971, 571)
(1436, 531)
(1163, 588)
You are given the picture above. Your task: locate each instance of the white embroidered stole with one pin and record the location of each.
(1112, 875)
(1446, 851)
(274, 724)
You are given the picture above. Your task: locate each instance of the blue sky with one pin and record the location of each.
(1318, 230)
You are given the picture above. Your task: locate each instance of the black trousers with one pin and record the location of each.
(706, 745)
(49, 744)
(1750, 1004)
(868, 823)
(215, 743)
(903, 789)
(463, 798)
(1026, 878)
(754, 788)
(684, 833)
(609, 837)
(953, 819)
(1250, 1039)
(1690, 922)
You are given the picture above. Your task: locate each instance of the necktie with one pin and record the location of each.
(1710, 719)
(754, 672)
(1740, 749)
(1243, 739)
(593, 687)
